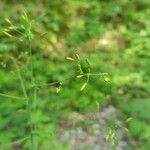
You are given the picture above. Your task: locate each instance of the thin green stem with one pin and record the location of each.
(56, 82)
(53, 83)
(15, 142)
(33, 103)
(29, 107)
(94, 74)
(88, 77)
(31, 61)
(12, 97)
(21, 80)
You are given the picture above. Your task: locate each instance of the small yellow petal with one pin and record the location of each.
(70, 58)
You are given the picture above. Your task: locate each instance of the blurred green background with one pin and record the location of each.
(113, 34)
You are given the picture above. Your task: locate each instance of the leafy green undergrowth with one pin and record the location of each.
(114, 35)
(139, 128)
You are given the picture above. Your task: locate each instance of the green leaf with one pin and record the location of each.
(7, 34)
(129, 119)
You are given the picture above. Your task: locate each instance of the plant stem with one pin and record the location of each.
(34, 140)
(15, 142)
(31, 107)
(28, 99)
(70, 77)
(12, 97)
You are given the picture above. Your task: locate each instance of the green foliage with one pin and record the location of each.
(114, 35)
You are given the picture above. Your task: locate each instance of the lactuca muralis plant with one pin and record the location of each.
(25, 35)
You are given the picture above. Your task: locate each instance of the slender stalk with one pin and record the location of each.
(31, 60)
(15, 142)
(29, 104)
(35, 136)
(34, 140)
(56, 82)
(21, 80)
(12, 97)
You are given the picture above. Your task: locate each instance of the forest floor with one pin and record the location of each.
(89, 131)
